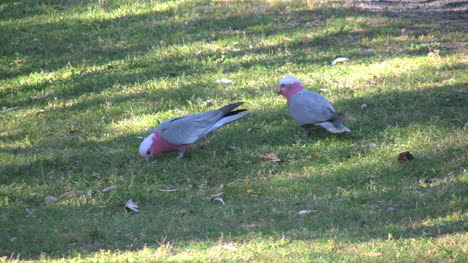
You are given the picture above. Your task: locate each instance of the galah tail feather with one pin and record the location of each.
(178, 134)
(308, 108)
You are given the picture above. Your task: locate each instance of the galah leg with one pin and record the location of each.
(181, 154)
(183, 150)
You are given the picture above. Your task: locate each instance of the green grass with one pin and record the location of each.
(81, 81)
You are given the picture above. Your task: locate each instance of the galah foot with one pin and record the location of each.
(181, 154)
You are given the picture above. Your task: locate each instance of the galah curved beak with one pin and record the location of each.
(279, 90)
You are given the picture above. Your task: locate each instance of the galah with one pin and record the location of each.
(178, 134)
(308, 108)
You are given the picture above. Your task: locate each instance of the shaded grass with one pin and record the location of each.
(103, 73)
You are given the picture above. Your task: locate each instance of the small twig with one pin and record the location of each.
(168, 190)
(9, 109)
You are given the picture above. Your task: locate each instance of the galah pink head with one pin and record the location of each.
(289, 86)
(154, 145)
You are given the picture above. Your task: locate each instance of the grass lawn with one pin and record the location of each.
(82, 80)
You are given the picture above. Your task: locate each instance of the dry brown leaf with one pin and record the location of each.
(270, 156)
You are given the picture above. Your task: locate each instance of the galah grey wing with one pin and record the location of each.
(308, 107)
(188, 129)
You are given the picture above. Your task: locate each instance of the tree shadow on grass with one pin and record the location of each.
(362, 208)
(59, 54)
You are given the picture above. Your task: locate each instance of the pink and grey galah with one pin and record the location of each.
(178, 134)
(308, 108)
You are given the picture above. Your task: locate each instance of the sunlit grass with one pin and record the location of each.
(76, 101)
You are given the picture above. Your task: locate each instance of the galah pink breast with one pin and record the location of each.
(178, 134)
(308, 108)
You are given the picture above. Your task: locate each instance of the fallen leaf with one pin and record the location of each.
(316, 154)
(225, 81)
(230, 246)
(132, 205)
(17, 62)
(112, 187)
(339, 60)
(216, 197)
(405, 157)
(305, 212)
(219, 199)
(270, 156)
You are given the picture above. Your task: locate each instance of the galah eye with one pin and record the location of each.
(148, 152)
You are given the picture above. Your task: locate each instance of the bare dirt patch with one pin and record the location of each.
(444, 12)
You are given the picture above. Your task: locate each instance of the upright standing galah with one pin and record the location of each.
(178, 134)
(309, 108)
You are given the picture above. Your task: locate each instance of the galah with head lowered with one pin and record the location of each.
(178, 134)
(308, 108)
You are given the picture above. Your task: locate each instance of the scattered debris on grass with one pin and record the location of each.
(13, 239)
(28, 210)
(269, 156)
(405, 157)
(363, 106)
(230, 246)
(249, 130)
(233, 147)
(168, 190)
(316, 154)
(225, 81)
(41, 111)
(90, 192)
(112, 187)
(132, 205)
(339, 60)
(207, 102)
(372, 144)
(305, 212)
(51, 198)
(9, 109)
(217, 197)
